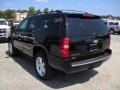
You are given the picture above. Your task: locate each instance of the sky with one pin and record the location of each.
(98, 7)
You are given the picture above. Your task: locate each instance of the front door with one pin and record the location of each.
(17, 35)
(24, 39)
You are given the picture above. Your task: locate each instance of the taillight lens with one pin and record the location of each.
(64, 47)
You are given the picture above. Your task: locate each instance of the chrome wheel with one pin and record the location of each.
(40, 66)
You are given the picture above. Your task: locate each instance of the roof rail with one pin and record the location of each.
(39, 12)
(60, 11)
(56, 11)
(75, 11)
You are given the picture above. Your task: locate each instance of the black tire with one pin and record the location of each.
(39, 69)
(11, 49)
(119, 32)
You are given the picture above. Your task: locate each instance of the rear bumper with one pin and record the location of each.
(3, 39)
(71, 67)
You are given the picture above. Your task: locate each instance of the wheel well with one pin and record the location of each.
(38, 49)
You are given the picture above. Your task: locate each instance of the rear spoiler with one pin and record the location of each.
(84, 16)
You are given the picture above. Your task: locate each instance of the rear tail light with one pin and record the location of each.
(64, 47)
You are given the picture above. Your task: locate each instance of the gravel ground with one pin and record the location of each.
(18, 74)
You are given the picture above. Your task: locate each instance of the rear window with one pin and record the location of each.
(78, 26)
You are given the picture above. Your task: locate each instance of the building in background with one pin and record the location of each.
(20, 16)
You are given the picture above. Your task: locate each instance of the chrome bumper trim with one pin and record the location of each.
(90, 61)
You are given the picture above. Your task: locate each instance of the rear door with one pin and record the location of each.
(88, 35)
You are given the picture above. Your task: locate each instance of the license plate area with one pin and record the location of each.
(95, 45)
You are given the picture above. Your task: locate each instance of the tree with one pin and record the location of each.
(1, 14)
(38, 12)
(21, 11)
(51, 10)
(46, 10)
(31, 11)
(8, 14)
(24, 10)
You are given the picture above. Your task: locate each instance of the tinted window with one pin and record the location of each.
(37, 23)
(55, 24)
(23, 24)
(52, 24)
(77, 26)
(113, 23)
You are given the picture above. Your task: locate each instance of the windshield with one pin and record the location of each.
(78, 26)
(17, 22)
(3, 22)
(113, 23)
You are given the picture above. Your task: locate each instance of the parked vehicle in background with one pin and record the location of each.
(67, 41)
(113, 26)
(16, 23)
(4, 29)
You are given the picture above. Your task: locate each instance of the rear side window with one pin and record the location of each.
(78, 26)
(37, 23)
(54, 25)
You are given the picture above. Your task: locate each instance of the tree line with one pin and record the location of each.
(110, 16)
(10, 14)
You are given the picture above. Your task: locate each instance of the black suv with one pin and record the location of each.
(66, 41)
